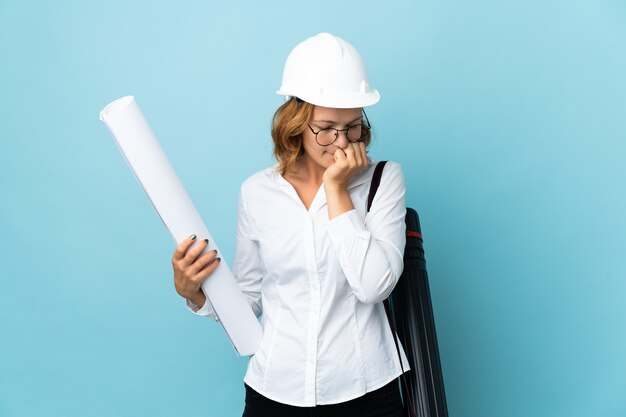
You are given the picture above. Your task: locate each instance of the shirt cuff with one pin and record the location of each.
(206, 310)
(347, 226)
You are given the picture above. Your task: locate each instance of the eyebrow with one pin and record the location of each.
(334, 122)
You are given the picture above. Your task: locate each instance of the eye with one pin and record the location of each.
(328, 131)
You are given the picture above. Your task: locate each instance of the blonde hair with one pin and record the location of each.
(288, 124)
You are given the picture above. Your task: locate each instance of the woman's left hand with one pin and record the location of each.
(348, 163)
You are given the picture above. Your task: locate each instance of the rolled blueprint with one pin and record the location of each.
(153, 170)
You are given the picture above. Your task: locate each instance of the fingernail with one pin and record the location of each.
(206, 241)
(193, 237)
(219, 259)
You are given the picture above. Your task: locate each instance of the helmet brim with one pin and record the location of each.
(337, 101)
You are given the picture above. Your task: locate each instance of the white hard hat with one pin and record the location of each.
(327, 71)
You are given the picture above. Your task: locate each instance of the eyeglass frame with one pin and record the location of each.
(367, 126)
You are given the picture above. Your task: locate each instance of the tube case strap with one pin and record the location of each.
(378, 173)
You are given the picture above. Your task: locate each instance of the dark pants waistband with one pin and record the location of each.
(383, 402)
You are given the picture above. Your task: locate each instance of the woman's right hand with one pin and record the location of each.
(191, 269)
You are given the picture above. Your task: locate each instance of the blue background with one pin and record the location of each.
(509, 120)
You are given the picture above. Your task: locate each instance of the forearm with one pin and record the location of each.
(370, 248)
(338, 200)
(371, 267)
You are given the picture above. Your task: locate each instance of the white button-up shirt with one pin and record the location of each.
(318, 285)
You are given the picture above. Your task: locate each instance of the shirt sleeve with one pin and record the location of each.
(247, 267)
(206, 310)
(371, 250)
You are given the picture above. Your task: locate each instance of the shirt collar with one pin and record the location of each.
(362, 177)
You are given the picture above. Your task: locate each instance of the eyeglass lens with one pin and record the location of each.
(354, 134)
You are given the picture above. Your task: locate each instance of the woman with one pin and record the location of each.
(308, 256)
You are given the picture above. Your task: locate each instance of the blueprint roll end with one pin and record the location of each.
(114, 106)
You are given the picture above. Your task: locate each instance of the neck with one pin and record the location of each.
(307, 171)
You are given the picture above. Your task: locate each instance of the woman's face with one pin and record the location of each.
(322, 118)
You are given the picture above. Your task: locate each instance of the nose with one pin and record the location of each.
(342, 139)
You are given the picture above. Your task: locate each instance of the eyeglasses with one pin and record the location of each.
(354, 133)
